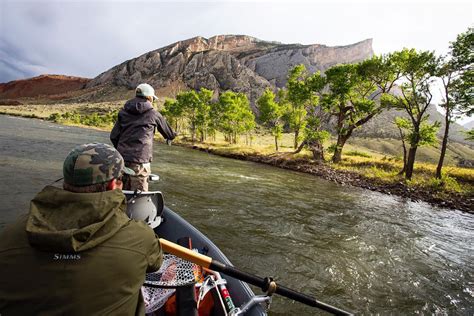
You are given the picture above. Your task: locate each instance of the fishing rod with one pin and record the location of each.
(267, 285)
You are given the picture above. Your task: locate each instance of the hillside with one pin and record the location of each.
(469, 125)
(383, 126)
(44, 85)
(226, 62)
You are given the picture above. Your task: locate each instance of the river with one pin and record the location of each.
(356, 249)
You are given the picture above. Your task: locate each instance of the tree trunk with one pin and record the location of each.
(402, 137)
(443, 146)
(410, 162)
(404, 159)
(297, 133)
(300, 148)
(193, 132)
(276, 143)
(317, 150)
(412, 153)
(341, 140)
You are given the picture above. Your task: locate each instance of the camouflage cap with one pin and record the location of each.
(93, 163)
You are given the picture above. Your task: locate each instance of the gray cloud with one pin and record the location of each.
(16, 63)
(41, 14)
(85, 38)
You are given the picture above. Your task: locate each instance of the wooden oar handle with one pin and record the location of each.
(185, 253)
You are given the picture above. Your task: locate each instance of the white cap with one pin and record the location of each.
(145, 90)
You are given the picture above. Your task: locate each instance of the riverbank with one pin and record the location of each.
(456, 191)
(431, 193)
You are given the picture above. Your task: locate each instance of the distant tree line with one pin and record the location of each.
(231, 114)
(347, 96)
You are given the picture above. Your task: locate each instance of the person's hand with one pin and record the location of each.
(168, 142)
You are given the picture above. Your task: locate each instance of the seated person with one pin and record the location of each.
(76, 252)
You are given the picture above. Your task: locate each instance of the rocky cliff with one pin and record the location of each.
(227, 62)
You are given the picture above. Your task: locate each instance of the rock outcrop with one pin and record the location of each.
(228, 62)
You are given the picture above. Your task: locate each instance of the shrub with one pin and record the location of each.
(55, 117)
(93, 119)
(332, 148)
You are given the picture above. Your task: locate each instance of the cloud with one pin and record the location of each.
(85, 38)
(16, 64)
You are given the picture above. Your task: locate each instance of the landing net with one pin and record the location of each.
(160, 285)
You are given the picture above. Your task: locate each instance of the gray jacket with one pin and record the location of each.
(133, 132)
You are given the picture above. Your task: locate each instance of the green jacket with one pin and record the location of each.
(76, 254)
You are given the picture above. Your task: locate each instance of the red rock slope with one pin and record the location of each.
(44, 85)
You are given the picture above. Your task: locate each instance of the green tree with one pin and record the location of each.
(456, 71)
(195, 107)
(271, 113)
(403, 126)
(235, 115)
(314, 135)
(358, 92)
(427, 135)
(173, 112)
(203, 117)
(190, 103)
(417, 70)
(297, 95)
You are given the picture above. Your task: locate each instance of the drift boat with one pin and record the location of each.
(236, 299)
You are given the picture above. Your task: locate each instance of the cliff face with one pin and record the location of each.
(237, 62)
(275, 63)
(225, 62)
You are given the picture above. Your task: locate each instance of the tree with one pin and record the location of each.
(403, 125)
(456, 72)
(427, 135)
(195, 108)
(314, 135)
(203, 117)
(173, 111)
(417, 70)
(190, 104)
(271, 113)
(235, 115)
(358, 92)
(297, 95)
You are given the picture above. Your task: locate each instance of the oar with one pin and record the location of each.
(266, 284)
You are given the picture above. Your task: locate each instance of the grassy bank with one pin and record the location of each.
(370, 163)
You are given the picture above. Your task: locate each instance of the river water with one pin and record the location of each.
(356, 249)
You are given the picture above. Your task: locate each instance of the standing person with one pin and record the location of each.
(133, 134)
(76, 252)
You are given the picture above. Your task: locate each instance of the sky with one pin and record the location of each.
(85, 38)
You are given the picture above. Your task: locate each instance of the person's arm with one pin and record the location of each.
(155, 256)
(115, 134)
(164, 128)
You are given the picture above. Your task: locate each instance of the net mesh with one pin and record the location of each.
(174, 272)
